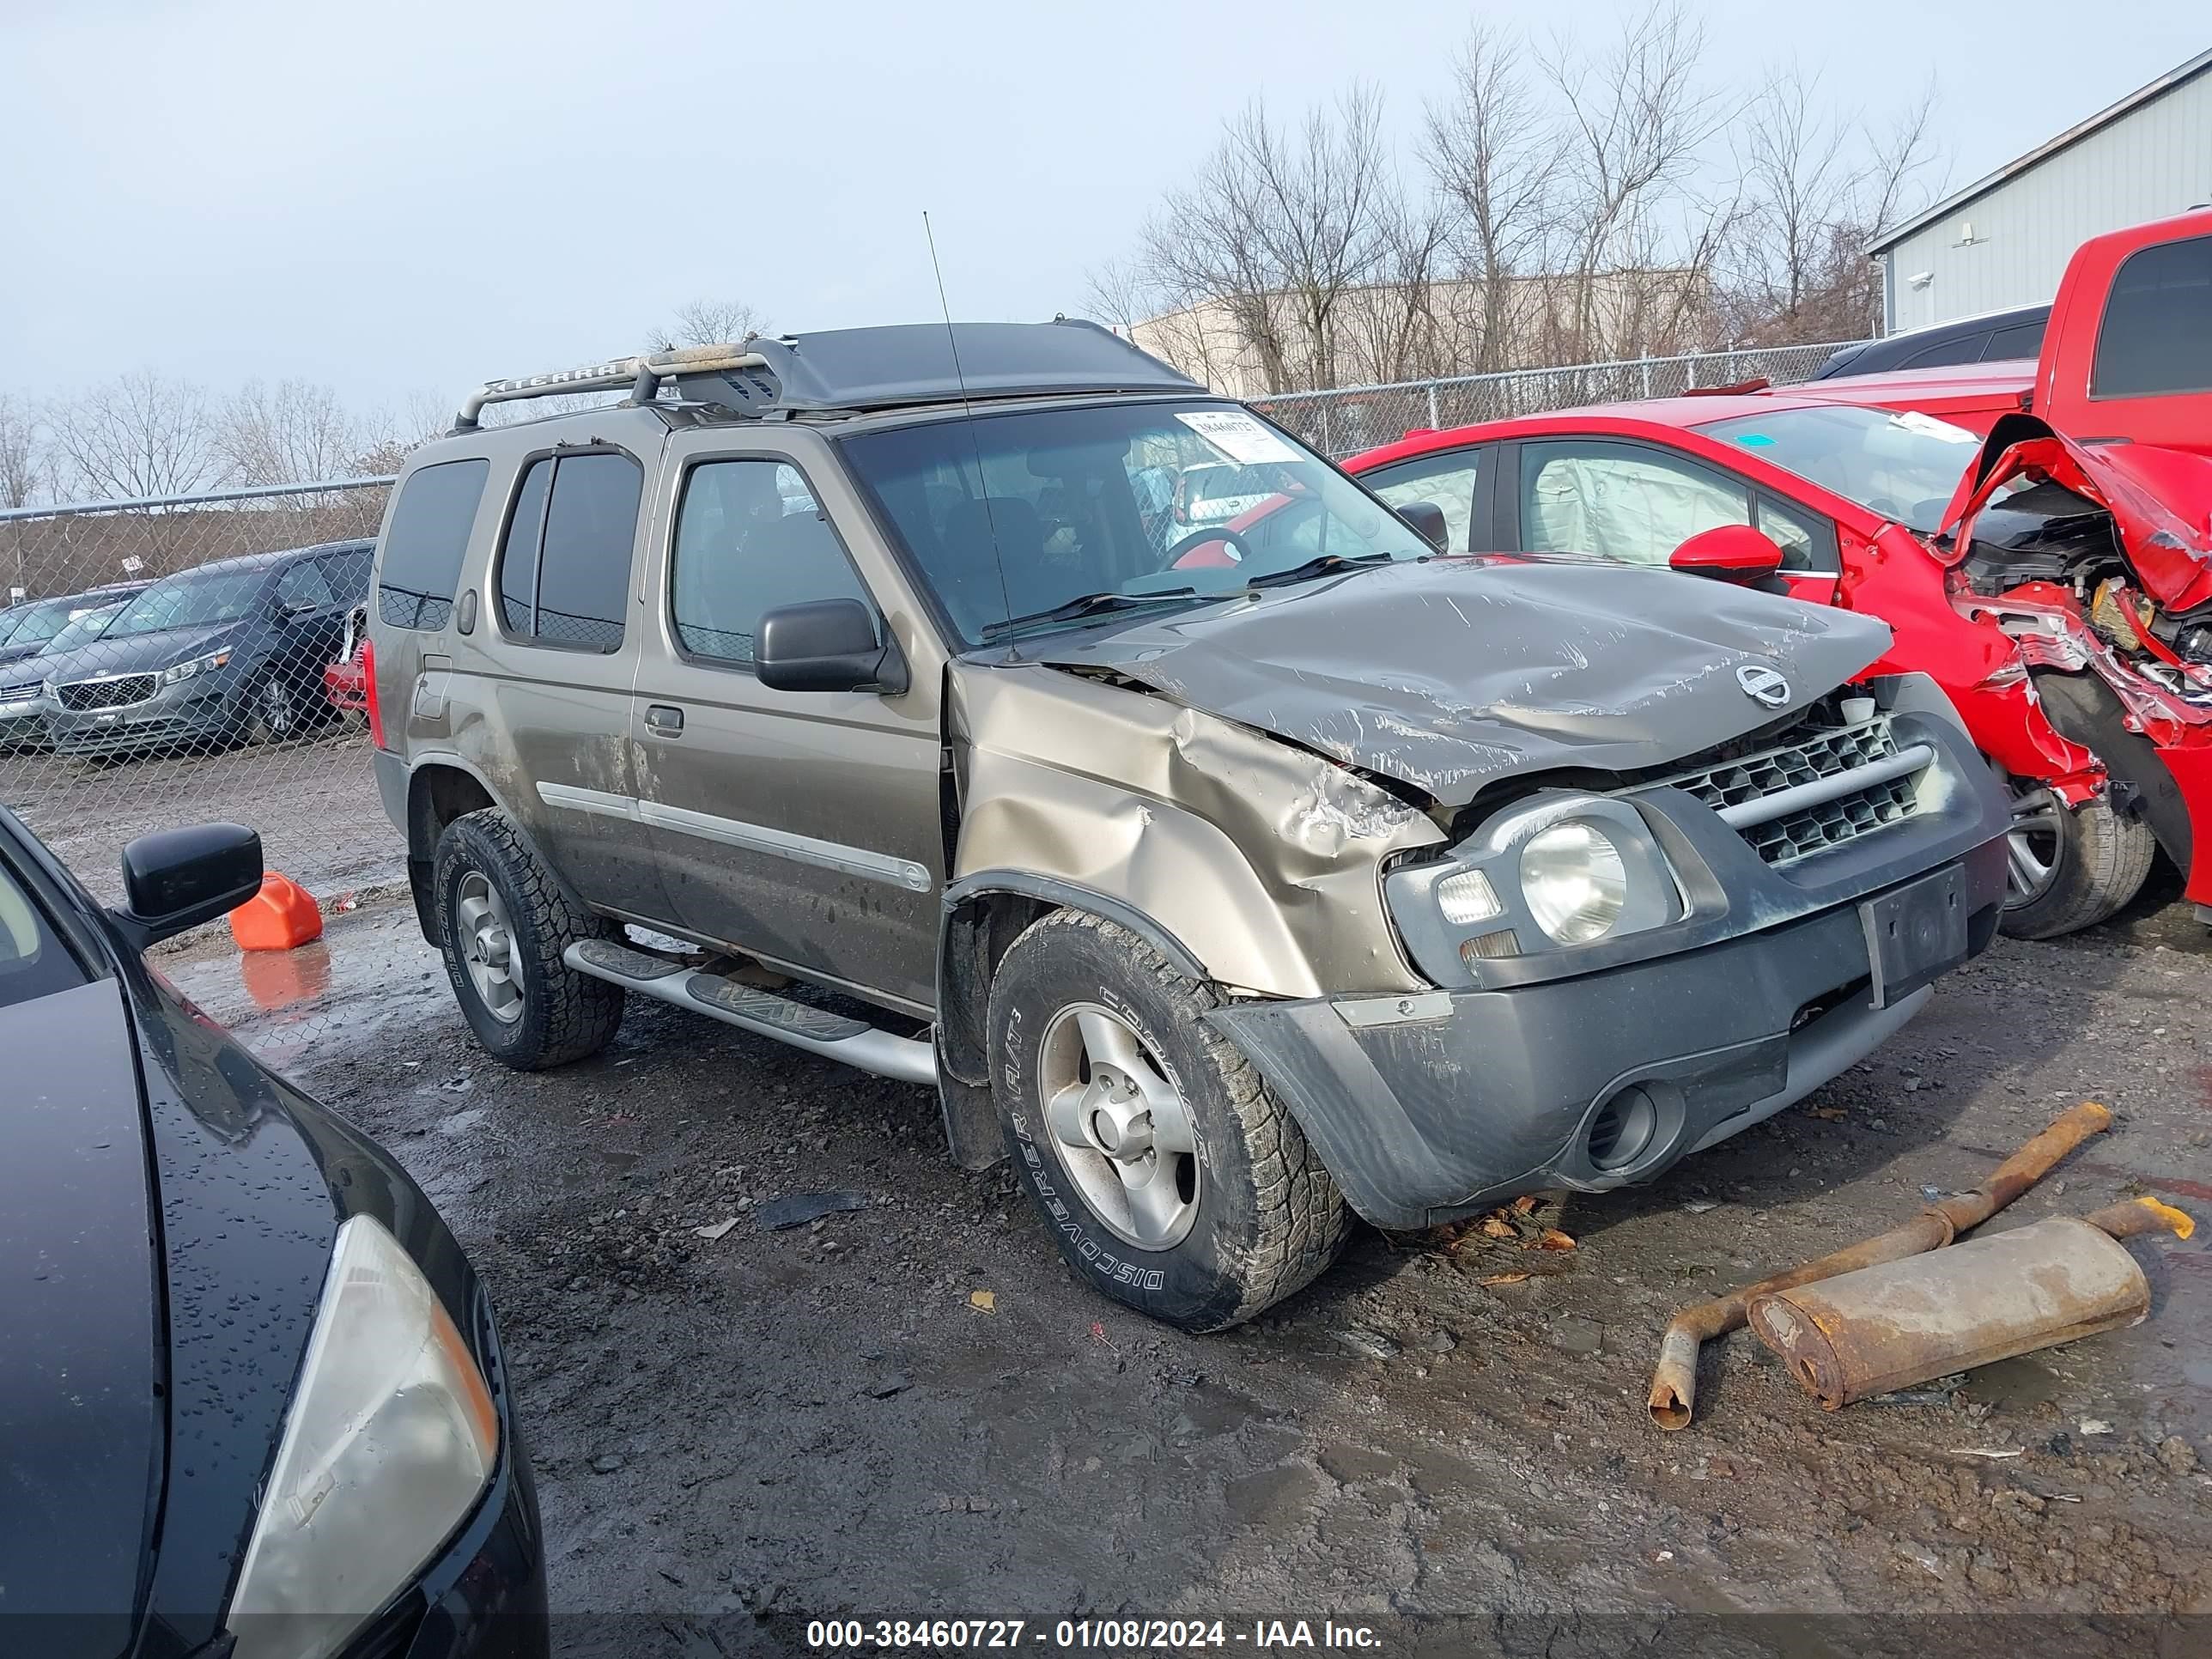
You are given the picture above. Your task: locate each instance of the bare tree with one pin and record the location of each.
(707, 322)
(1818, 189)
(22, 457)
(136, 436)
(1277, 230)
(1494, 156)
(1633, 237)
(293, 432)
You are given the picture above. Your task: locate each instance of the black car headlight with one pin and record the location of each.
(1547, 874)
(390, 1440)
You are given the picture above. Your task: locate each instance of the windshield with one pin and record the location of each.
(1903, 467)
(10, 620)
(1009, 516)
(42, 622)
(191, 598)
(83, 631)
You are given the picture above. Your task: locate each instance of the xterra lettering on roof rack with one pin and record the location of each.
(854, 369)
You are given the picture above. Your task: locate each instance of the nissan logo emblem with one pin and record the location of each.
(1762, 685)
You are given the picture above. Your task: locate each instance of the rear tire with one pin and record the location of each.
(1169, 1174)
(2070, 868)
(502, 923)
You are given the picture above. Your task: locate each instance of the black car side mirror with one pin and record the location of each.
(825, 645)
(174, 879)
(1428, 522)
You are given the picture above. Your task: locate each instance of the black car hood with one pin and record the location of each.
(81, 1414)
(140, 653)
(1447, 674)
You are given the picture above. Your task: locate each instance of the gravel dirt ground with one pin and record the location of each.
(911, 1410)
(313, 800)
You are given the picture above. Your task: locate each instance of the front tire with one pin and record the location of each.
(1170, 1177)
(502, 924)
(274, 713)
(2070, 868)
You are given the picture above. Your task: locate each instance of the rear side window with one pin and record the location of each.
(564, 564)
(425, 540)
(2156, 336)
(2020, 340)
(305, 585)
(750, 538)
(348, 576)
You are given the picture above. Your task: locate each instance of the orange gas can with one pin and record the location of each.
(281, 914)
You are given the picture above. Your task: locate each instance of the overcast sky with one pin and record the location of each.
(406, 197)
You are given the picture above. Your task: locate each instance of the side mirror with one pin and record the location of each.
(1732, 552)
(825, 645)
(174, 879)
(1428, 522)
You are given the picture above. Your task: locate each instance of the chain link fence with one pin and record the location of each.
(1345, 421)
(167, 661)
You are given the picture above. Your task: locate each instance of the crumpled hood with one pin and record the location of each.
(2161, 501)
(1447, 673)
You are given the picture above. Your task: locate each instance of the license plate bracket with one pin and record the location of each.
(1915, 934)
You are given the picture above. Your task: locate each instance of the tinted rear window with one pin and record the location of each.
(2156, 337)
(577, 591)
(425, 540)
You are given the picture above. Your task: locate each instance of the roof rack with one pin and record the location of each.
(642, 375)
(851, 369)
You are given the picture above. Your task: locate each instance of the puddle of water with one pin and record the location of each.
(368, 969)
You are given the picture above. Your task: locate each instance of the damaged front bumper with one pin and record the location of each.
(1600, 1067)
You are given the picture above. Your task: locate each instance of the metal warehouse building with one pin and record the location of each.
(2004, 240)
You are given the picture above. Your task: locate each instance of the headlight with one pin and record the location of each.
(1559, 870)
(1573, 881)
(391, 1438)
(185, 671)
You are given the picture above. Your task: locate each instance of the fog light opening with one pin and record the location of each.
(1623, 1130)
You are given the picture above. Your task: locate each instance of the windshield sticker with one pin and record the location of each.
(1929, 427)
(1237, 436)
(1753, 440)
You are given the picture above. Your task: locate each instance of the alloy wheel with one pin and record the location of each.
(487, 946)
(2035, 845)
(1123, 1132)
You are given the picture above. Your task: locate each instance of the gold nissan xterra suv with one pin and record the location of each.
(1228, 878)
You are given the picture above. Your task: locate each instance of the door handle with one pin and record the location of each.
(662, 720)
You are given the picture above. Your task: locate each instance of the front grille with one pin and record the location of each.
(1809, 752)
(80, 695)
(19, 689)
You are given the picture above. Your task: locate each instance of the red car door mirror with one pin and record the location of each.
(1732, 552)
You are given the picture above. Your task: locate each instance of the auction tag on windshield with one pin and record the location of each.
(1237, 436)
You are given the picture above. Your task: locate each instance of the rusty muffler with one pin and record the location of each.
(1902, 1322)
(1674, 1383)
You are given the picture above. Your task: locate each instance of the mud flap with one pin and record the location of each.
(972, 1132)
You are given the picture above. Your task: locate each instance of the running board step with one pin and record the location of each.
(854, 1041)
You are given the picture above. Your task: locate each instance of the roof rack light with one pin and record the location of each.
(640, 375)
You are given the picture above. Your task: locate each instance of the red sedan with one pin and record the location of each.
(2032, 627)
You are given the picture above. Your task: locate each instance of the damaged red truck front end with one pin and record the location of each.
(2124, 596)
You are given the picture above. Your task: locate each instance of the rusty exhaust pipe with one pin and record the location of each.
(1674, 1383)
(1902, 1322)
